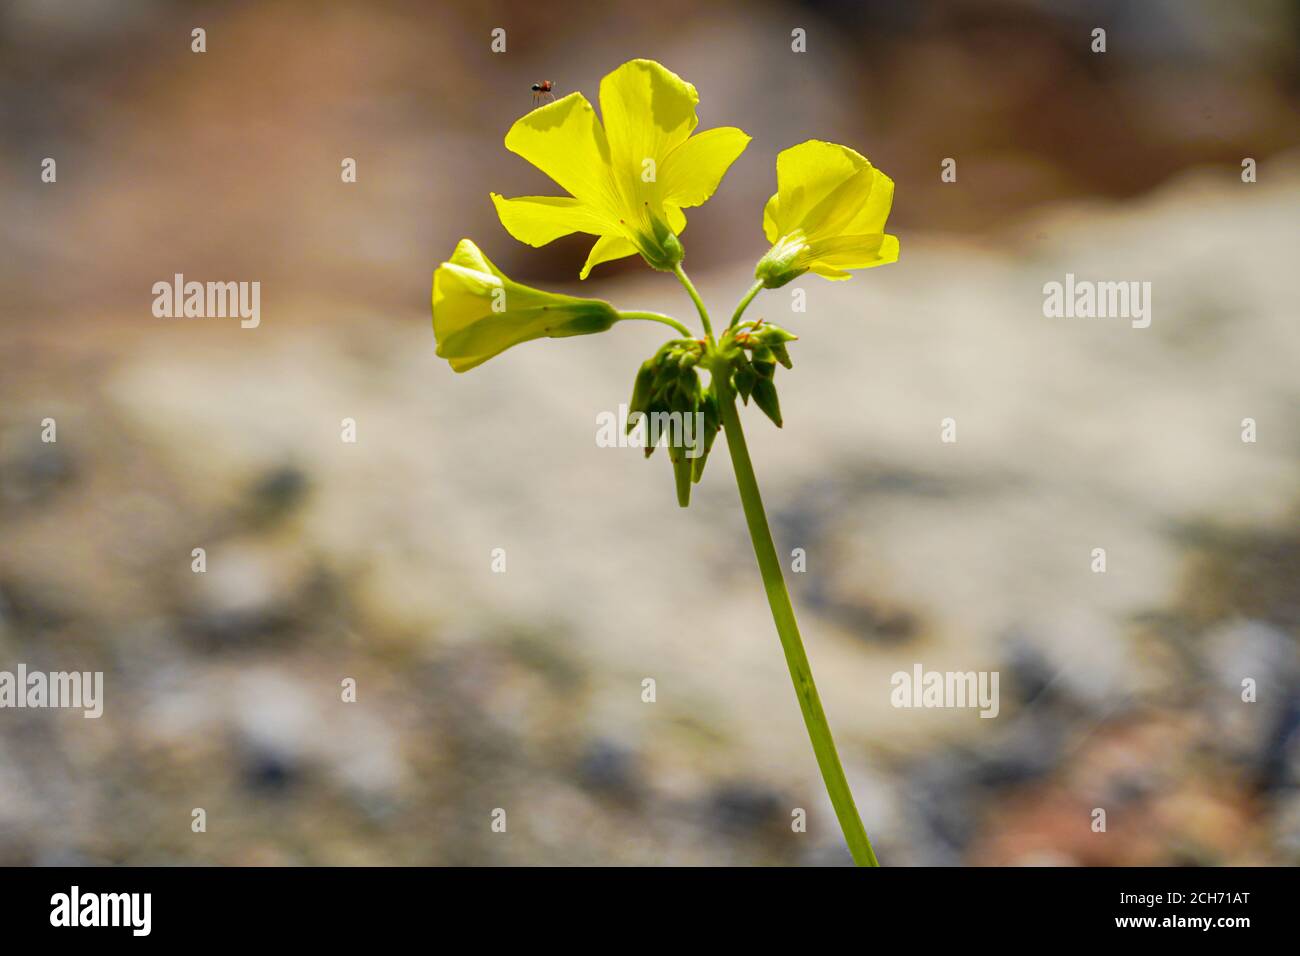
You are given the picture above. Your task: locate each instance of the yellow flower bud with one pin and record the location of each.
(479, 313)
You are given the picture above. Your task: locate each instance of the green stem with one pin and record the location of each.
(754, 290)
(778, 598)
(796, 658)
(695, 297)
(657, 317)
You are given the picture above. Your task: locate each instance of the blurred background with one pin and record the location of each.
(523, 690)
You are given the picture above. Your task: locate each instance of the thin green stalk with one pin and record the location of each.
(695, 297)
(778, 598)
(754, 290)
(657, 317)
(796, 658)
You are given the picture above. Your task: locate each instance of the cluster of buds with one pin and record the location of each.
(670, 399)
(753, 350)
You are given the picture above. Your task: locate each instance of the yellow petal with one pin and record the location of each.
(852, 252)
(772, 212)
(470, 256)
(538, 220)
(872, 214)
(824, 188)
(465, 364)
(606, 249)
(565, 140)
(460, 286)
(459, 296)
(648, 111)
(692, 171)
(676, 220)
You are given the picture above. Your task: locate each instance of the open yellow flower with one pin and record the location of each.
(628, 180)
(479, 313)
(828, 215)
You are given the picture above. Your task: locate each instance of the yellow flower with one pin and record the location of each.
(828, 215)
(628, 180)
(479, 313)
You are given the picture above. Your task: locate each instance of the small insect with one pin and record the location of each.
(542, 90)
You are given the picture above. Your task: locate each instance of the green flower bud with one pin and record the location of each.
(765, 398)
(712, 423)
(683, 468)
(745, 379)
(641, 390)
(770, 334)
